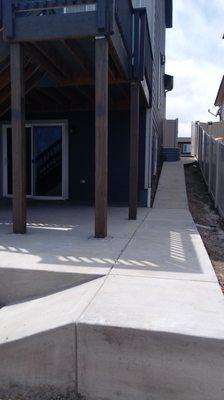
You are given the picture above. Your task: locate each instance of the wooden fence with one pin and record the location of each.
(209, 151)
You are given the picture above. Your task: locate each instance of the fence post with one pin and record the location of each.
(203, 151)
(198, 149)
(217, 183)
(193, 137)
(210, 164)
(198, 152)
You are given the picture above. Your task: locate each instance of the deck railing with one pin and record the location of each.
(143, 56)
(124, 18)
(148, 56)
(41, 5)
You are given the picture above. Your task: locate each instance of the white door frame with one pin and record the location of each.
(65, 158)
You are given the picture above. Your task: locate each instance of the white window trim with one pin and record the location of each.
(65, 159)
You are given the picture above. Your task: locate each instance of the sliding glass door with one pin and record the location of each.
(46, 161)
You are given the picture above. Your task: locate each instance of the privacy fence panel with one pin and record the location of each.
(200, 146)
(210, 155)
(220, 201)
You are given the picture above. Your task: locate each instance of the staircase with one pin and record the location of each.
(49, 168)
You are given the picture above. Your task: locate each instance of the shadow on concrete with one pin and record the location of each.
(174, 250)
(19, 285)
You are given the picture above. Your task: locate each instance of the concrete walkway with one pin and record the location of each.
(139, 315)
(155, 329)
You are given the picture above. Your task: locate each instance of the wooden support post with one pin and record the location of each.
(18, 138)
(134, 149)
(101, 136)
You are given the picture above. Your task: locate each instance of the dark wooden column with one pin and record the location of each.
(101, 136)
(18, 138)
(134, 150)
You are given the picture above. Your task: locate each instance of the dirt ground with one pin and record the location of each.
(202, 209)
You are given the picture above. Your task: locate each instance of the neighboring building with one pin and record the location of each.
(170, 151)
(219, 102)
(184, 144)
(65, 53)
(170, 133)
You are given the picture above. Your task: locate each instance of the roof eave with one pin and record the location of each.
(220, 95)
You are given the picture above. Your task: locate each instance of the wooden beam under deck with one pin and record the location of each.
(134, 150)
(30, 83)
(101, 136)
(54, 58)
(77, 54)
(18, 138)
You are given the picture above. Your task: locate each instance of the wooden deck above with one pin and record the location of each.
(74, 54)
(41, 25)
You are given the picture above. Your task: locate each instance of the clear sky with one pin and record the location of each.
(195, 56)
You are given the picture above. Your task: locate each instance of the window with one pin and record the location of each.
(186, 148)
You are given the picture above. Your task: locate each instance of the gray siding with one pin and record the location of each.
(154, 135)
(159, 99)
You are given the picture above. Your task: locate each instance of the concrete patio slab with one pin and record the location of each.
(58, 253)
(47, 278)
